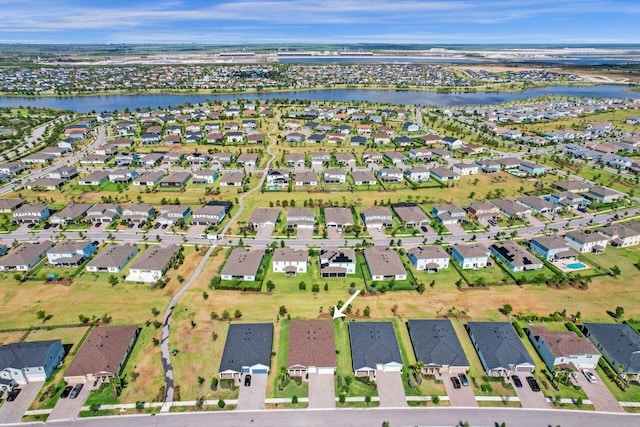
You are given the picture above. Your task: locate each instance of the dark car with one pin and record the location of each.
(97, 224)
(141, 225)
(14, 393)
(156, 226)
(164, 226)
(47, 226)
(516, 381)
(424, 229)
(247, 380)
(76, 391)
(130, 225)
(533, 384)
(65, 392)
(31, 225)
(463, 379)
(456, 382)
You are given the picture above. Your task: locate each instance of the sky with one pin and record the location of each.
(320, 21)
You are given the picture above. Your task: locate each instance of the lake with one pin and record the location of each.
(85, 104)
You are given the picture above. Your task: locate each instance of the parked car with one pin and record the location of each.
(456, 382)
(164, 226)
(516, 381)
(463, 380)
(65, 392)
(75, 391)
(156, 225)
(14, 393)
(47, 226)
(247, 380)
(533, 384)
(424, 229)
(591, 377)
(97, 224)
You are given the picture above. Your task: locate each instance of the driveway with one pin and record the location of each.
(376, 233)
(12, 412)
(462, 397)
(322, 392)
(456, 229)
(333, 234)
(598, 394)
(195, 230)
(528, 397)
(264, 232)
(252, 397)
(305, 234)
(70, 408)
(390, 389)
(535, 222)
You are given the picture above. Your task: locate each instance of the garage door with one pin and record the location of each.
(259, 371)
(329, 371)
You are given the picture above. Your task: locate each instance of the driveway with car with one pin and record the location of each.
(12, 412)
(462, 396)
(390, 389)
(252, 397)
(70, 408)
(598, 393)
(322, 392)
(528, 397)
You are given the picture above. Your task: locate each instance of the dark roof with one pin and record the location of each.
(499, 344)
(26, 354)
(311, 343)
(373, 343)
(436, 342)
(621, 343)
(247, 344)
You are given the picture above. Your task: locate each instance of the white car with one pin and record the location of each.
(591, 377)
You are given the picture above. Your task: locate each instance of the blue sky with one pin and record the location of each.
(322, 21)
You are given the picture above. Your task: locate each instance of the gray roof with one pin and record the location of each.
(304, 176)
(359, 176)
(73, 210)
(515, 254)
(373, 343)
(551, 242)
(384, 262)
(26, 354)
(263, 215)
(155, 258)
(290, 255)
(113, 256)
(25, 253)
(428, 252)
(243, 263)
(620, 341)
(499, 345)
(410, 214)
(247, 345)
(474, 250)
(436, 342)
(340, 216)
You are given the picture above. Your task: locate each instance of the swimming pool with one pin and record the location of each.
(576, 266)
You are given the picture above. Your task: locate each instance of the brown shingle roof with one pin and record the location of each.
(311, 343)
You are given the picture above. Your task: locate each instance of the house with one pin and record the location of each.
(563, 349)
(551, 248)
(300, 218)
(263, 217)
(321, 158)
(316, 138)
(103, 354)
(247, 160)
(374, 347)
(346, 159)
(152, 264)
(337, 263)
(22, 363)
(94, 178)
(443, 174)
(170, 214)
(104, 212)
(410, 127)
(149, 179)
(215, 138)
(474, 255)
(247, 350)
(622, 235)
(306, 178)
(516, 258)
(572, 186)
(12, 168)
(150, 138)
(122, 176)
(384, 264)
(449, 214)
(411, 215)
(295, 160)
(335, 176)
(290, 261)
(499, 348)
(418, 174)
(378, 217)
(152, 159)
(423, 154)
(255, 138)
(452, 143)
(48, 184)
(204, 177)
(532, 169)
(429, 258)
(10, 205)
(70, 253)
(242, 265)
(295, 137)
(311, 348)
(65, 173)
(538, 204)
(277, 179)
(232, 179)
(173, 158)
(338, 217)
(363, 178)
(619, 345)
(25, 256)
(96, 159)
(437, 347)
(70, 213)
(464, 169)
(208, 215)
(511, 209)
(483, 211)
(371, 157)
(112, 259)
(138, 212)
(381, 139)
(38, 158)
(175, 180)
(603, 195)
(31, 214)
(567, 199)
(586, 242)
(387, 174)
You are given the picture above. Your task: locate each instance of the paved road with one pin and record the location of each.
(444, 416)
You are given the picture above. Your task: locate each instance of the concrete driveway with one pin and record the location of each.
(12, 412)
(598, 394)
(322, 392)
(70, 408)
(390, 389)
(252, 397)
(376, 233)
(461, 397)
(528, 397)
(305, 234)
(264, 232)
(456, 229)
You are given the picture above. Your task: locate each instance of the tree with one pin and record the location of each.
(226, 315)
(113, 280)
(435, 399)
(294, 400)
(367, 399)
(282, 310)
(154, 311)
(506, 309)
(237, 314)
(270, 286)
(367, 311)
(615, 270)
(421, 287)
(342, 399)
(302, 286)
(619, 312)
(41, 315)
(394, 309)
(221, 404)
